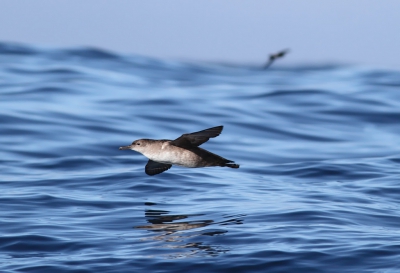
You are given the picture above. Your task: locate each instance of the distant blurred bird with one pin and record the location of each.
(273, 57)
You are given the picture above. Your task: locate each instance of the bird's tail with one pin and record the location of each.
(232, 165)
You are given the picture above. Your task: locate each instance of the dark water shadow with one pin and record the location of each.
(188, 233)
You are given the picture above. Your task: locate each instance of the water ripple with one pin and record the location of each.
(317, 190)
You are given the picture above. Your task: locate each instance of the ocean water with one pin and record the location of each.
(317, 190)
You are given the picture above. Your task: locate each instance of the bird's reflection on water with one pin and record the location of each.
(177, 231)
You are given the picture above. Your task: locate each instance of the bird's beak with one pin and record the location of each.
(125, 147)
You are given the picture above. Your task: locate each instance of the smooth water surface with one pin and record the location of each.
(318, 189)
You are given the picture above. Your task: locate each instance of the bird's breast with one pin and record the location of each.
(169, 154)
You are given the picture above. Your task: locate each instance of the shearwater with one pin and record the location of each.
(183, 151)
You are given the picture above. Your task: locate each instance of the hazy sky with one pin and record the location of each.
(240, 31)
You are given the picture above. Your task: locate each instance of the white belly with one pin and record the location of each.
(175, 156)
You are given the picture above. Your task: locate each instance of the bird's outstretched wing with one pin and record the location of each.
(197, 138)
(153, 168)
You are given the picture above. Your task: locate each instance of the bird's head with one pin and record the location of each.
(138, 146)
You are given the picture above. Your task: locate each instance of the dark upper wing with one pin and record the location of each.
(197, 138)
(153, 168)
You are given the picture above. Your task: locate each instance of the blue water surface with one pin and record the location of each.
(318, 189)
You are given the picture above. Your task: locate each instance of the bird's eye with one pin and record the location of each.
(137, 143)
